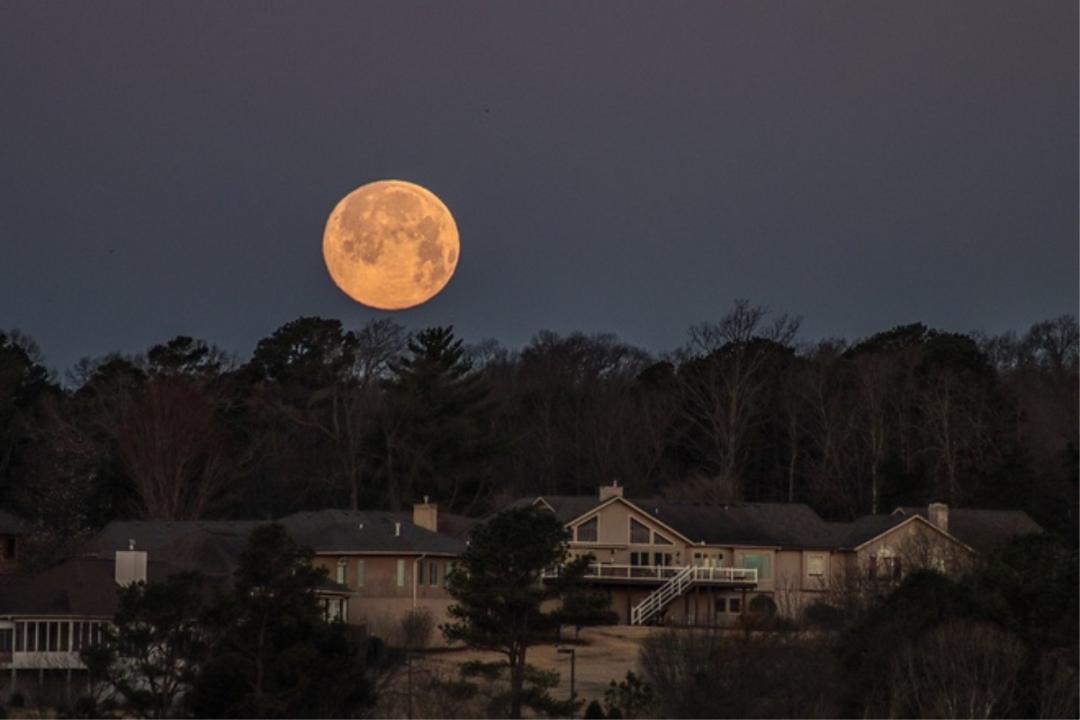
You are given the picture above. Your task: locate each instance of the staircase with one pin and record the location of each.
(658, 600)
(684, 578)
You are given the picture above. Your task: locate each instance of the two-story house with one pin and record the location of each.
(661, 561)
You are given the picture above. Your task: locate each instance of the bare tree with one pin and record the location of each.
(960, 669)
(724, 382)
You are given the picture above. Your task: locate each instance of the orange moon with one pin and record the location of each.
(391, 245)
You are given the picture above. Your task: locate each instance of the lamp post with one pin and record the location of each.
(572, 652)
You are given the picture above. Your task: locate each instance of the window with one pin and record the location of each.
(342, 571)
(721, 605)
(639, 533)
(433, 574)
(663, 559)
(639, 558)
(361, 572)
(699, 560)
(20, 632)
(401, 573)
(586, 531)
(7, 638)
(660, 539)
(815, 565)
(758, 561)
(735, 605)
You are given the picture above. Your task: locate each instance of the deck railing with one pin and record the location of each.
(612, 571)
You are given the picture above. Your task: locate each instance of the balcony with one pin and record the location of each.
(652, 574)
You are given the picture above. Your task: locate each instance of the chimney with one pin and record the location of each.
(610, 491)
(426, 515)
(939, 515)
(130, 565)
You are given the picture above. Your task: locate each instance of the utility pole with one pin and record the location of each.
(572, 652)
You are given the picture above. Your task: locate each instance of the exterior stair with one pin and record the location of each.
(659, 598)
(656, 601)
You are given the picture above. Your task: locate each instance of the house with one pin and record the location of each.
(380, 565)
(661, 561)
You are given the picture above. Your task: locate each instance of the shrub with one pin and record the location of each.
(823, 615)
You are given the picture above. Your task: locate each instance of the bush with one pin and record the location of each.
(823, 615)
(594, 711)
(762, 605)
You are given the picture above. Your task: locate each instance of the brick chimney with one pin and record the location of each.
(610, 491)
(426, 515)
(938, 513)
(130, 565)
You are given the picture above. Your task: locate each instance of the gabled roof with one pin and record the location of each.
(12, 524)
(850, 535)
(760, 524)
(329, 531)
(83, 586)
(984, 530)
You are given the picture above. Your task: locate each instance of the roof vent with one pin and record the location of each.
(397, 529)
(131, 543)
(361, 526)
(426, 499)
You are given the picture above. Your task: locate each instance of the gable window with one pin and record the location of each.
(757, 561)
(660, 539)
(586, 531)
(815, 565)
(639, 533)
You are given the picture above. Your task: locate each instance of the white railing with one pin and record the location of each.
(667, 592)
(614, 571)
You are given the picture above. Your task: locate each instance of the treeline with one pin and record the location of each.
(325, 416)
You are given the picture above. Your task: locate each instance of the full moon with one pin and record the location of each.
(391, 245)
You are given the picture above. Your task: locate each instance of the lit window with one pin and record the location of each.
(401, 573)
(342, 571)
(639, 533)
(757, 561)
(361, 572)
(815, 565)
(586, 531)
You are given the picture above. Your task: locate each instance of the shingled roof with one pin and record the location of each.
(345, 531)
(83, 586)
(984, 530)
(212, 547)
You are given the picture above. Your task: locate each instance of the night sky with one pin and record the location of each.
(167, 168)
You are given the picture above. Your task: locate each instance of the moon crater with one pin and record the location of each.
(391, 245)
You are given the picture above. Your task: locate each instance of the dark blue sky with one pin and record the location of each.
(630, 167)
